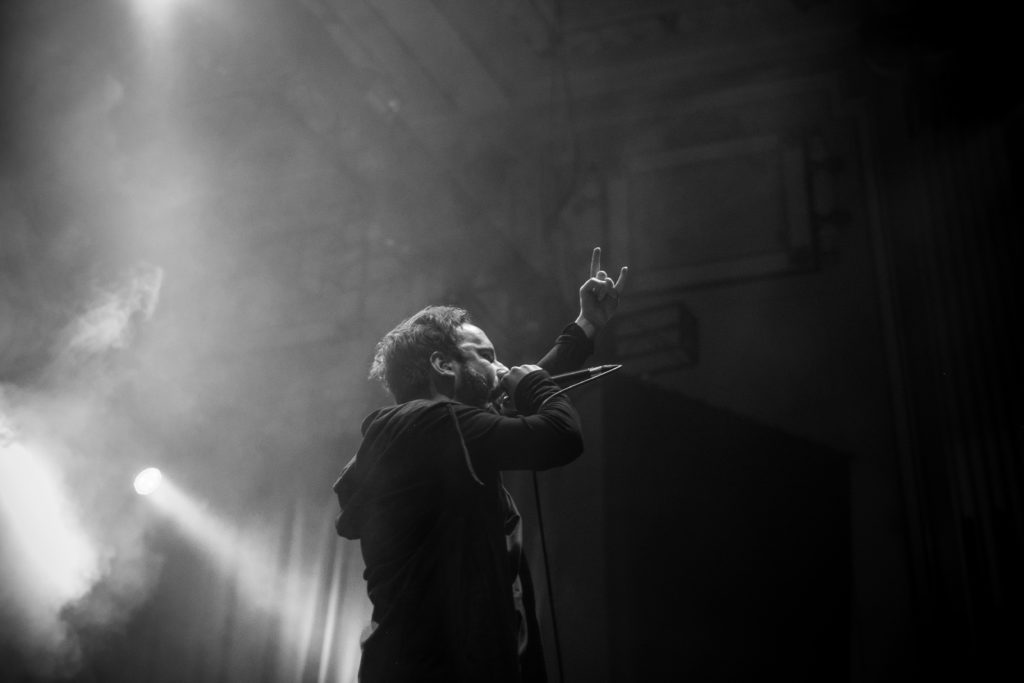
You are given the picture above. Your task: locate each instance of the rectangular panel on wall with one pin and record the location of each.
(725, 211)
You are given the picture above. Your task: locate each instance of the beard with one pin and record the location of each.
(474, 388)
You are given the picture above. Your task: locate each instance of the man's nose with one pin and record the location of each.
(500, 370)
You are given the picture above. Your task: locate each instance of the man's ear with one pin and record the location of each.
(441, 364)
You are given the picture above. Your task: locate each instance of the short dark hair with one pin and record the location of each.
(402, 360)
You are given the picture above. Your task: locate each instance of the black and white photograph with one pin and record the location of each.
(511, 341)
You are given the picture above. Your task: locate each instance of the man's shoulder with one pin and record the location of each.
(405, 415)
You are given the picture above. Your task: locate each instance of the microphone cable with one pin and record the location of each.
(606, 370)
(540, 526)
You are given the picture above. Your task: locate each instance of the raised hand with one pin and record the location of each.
(599, 295)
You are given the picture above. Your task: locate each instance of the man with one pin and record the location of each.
(439, 533)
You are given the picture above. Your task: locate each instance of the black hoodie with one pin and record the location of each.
(423, 495)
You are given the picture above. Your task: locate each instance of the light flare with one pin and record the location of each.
(148, 481)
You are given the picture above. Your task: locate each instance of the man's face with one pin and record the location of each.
(477, 372)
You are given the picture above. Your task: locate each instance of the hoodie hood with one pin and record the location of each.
(387, 433)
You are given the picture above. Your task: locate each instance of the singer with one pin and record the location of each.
(441, 537)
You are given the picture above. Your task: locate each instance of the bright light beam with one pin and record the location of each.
(53, 561)
(290, 592)
(147, 481)
(51, 539)
(243, 557)
(157, 12)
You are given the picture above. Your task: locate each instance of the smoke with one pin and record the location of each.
(114, 318)
(73, 559)
(127, 150)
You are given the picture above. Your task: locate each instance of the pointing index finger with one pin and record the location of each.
(595, 262)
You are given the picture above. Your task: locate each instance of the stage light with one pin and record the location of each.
(147, 481)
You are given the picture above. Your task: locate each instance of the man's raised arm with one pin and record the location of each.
(599, 299)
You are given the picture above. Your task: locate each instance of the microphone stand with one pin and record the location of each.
(596, 374)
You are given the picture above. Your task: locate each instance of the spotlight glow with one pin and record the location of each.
(56, 560)
(147, 481)
(291, 592)
(157, 11)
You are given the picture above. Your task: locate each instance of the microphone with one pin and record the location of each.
(585, 373)
(499, 398)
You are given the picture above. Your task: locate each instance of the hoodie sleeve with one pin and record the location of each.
(546, 435)
(571, 349)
